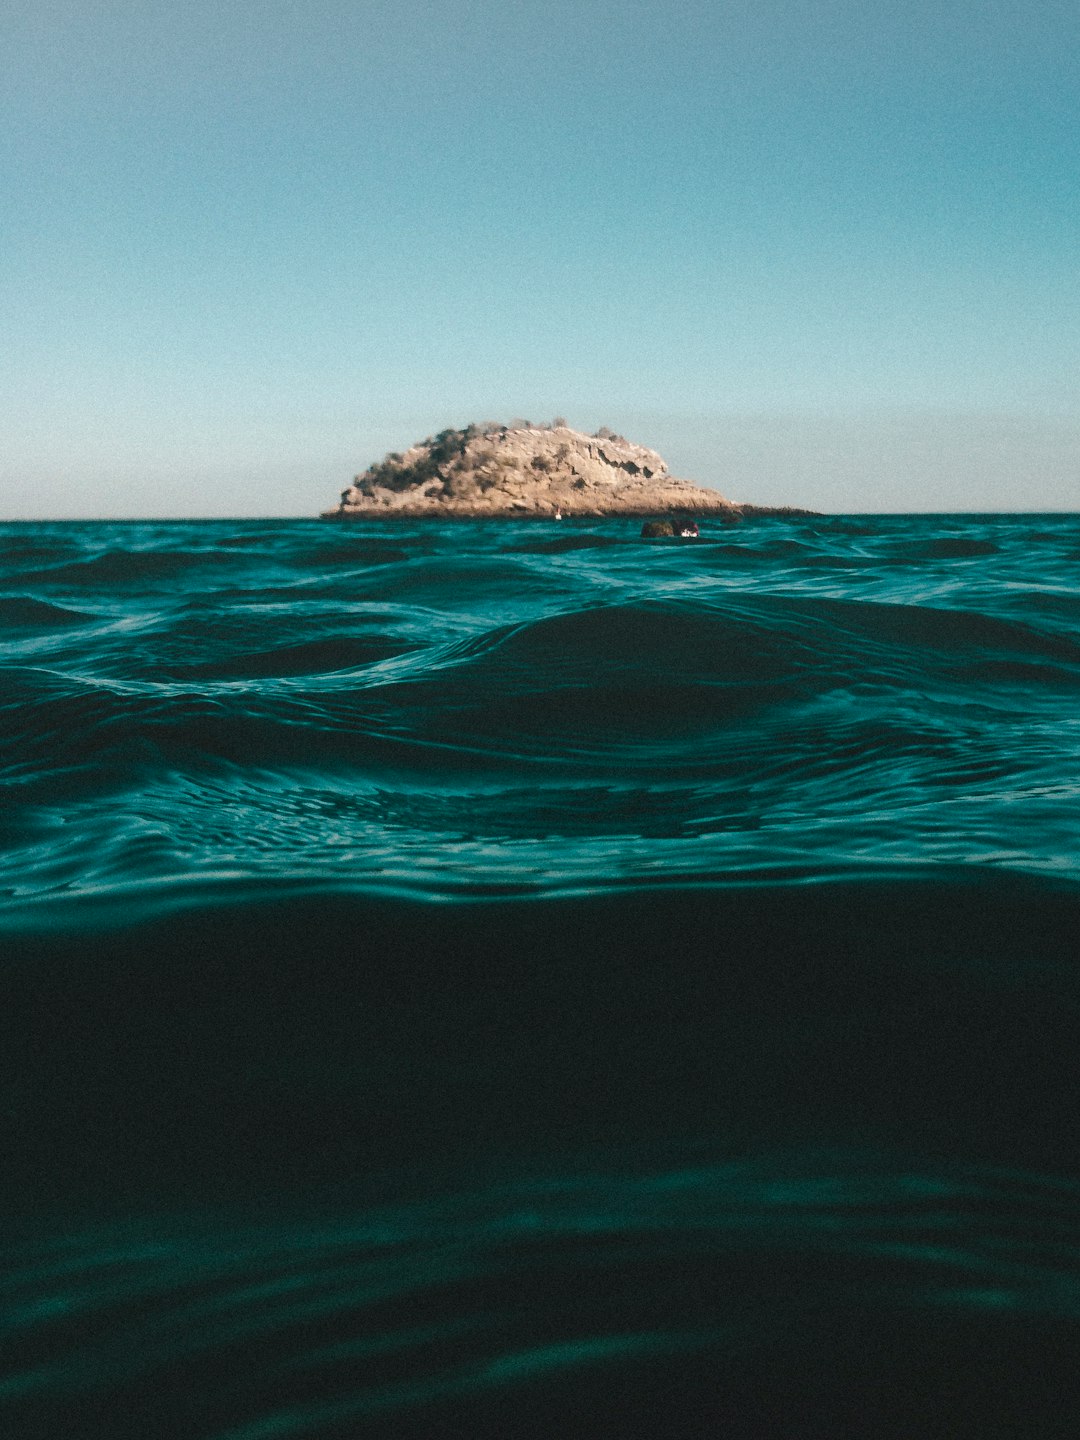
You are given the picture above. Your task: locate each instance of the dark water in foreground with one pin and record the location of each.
(497, 980)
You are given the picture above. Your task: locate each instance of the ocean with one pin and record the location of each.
(496, 979)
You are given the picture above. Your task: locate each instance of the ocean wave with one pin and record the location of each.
(654, 1298)
(312, 657)
(734, 730)
(121, 568)
(321, 1164)
(565, 544)
(493, 979)
(336, 1028)
(24, 612)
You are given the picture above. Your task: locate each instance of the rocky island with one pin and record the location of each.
(523, 470)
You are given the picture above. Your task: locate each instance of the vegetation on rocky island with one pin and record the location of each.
(442, 457)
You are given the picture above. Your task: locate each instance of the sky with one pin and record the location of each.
(823, 253)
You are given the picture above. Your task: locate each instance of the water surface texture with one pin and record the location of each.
(496, 979)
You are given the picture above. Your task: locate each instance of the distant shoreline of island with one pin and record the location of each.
(522, 471)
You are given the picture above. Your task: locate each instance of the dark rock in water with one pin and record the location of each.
(657, 529)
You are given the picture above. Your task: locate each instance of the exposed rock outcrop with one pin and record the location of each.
(522, 470)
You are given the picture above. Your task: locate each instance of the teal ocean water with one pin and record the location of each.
(490, 979)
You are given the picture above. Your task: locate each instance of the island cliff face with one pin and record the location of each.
(521, 470)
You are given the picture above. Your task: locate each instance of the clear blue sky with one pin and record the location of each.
(816, 253)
